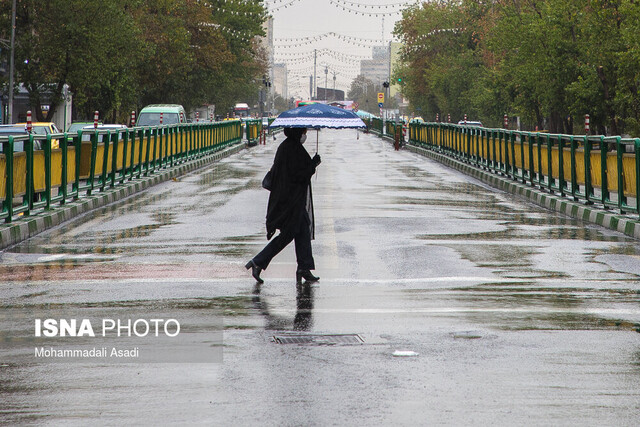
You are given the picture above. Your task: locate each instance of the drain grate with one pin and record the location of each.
(318, 339)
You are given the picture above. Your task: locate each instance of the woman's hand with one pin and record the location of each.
(316, 159)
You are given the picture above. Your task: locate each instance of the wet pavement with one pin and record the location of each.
(441, 302)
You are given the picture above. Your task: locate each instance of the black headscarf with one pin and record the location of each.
(294, 133)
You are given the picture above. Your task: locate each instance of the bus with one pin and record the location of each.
(303, 103)
(241, 110)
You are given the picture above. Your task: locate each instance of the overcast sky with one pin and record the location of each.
(308, 18)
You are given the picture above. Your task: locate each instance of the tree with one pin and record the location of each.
(441, 61)
(365, 93)
(61, 42)
(119, 55)
(547, 61)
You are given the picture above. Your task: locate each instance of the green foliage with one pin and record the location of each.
(547, 61)
(365, 93)
(119, 55)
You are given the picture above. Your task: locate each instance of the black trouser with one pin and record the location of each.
(302, 237)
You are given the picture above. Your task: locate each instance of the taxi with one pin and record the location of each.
(43, 128)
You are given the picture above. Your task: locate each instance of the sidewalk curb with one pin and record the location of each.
(23, 229)
(591, 214)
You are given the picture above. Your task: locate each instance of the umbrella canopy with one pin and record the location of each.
(318, 116)
(365, 114)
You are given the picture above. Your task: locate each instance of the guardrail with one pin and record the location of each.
(254, 130)
(375, 125)
(570, 165)
(36, 179)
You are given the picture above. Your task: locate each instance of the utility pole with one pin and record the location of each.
(315, 74)
(326, 82)
(334, 85)
(11, 60)
(310, 87)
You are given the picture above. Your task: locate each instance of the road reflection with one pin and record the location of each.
(303, 319)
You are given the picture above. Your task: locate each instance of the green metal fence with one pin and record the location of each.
(254, 130)
(375, 125)
(586, 168)
(36, 179)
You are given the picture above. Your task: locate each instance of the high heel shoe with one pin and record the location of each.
(306, 275)
(255, 271)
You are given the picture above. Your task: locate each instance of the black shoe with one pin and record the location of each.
(306, 275)
(255, 271)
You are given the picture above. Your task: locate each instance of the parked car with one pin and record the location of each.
(470, 123)
(76, 126)
(11, 130)
(171, 114)
(43, 128)
(87, 131)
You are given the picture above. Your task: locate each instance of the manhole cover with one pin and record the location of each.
(318, 339)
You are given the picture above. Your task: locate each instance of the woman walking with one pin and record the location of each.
(290, 207)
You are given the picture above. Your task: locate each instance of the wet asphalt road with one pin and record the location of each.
(518, 316)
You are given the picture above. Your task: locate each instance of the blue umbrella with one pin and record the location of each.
(318, 116)
(365, 114)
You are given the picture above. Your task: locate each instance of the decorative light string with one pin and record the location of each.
(419, 43)
(349, 7)
(377, 6)
(237, 34)
(309, 68)
(323, 52)
(332, 71)
(302, 41)
(282, 6)
(234, 12)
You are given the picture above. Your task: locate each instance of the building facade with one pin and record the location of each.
(379, 68)
(280, 80)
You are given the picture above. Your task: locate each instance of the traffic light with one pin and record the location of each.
(385, 84)
(399, 79)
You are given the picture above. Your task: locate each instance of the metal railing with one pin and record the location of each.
(375, 125)
(254, 130)
(32, 180)
(591, 169)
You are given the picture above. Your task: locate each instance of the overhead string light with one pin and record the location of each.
(240, 35)
(419, 43)
(232, 12)
(306, 68)
(297, 66)
(237, 34)
(380, 9)
(342, 57)
(274, 6)
(301, 41)
(331, 71)
(376, 6)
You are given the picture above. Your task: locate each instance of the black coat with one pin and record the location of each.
(291, 189)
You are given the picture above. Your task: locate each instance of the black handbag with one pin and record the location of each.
(267, 181)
